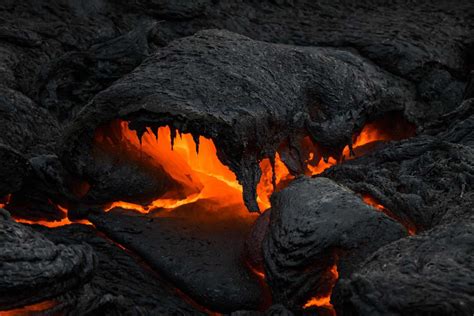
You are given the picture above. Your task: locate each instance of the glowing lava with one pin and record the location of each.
(34, 309)
(64, 221)
(368, 199)
(195, 166)
(325, 301)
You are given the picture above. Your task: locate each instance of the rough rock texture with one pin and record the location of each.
(35, 269)
(315, 224)
(427, 274)
(197, 248)
(121, 283)
(419, 180)
(240, 93)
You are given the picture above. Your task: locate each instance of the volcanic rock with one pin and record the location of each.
(419, 180)
(248, 96)
(427, 274)
(314, 225)
(120, 285)
(35, 269)
(198, 247)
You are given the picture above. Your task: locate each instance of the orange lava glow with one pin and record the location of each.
(374, 203)
(5, 200)
(271, 179)
(325, 301)
(33, 309)
(64, 221)
(390, 127)
(197, 169)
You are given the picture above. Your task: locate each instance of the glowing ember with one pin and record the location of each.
(30, 309)
(374, 203)
(325, 301)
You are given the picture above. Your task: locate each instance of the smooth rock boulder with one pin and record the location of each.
(316, 226)
(198, 247)
(428, 274)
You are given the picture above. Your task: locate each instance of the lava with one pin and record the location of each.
(191, 161)
(391, 126)
(370, 200)
(5, 200)
(52, 223)
(325, 300)
(34, 309)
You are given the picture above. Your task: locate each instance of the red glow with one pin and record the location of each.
(33, 309)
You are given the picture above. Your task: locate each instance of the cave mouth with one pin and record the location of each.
(192, 162)
(204, 192)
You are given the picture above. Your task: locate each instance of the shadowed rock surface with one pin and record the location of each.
(419, 180)
(316, 224)
(198, 248)
(427, 274)
(35, 269)
(240, 93)
(120, 285)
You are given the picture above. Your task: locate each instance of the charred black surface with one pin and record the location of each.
(120, 284)
(35, 269)
(314, 225)
(424, 274)
(200, 252)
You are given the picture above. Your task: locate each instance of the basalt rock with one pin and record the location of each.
(316, 224)
(419, 180)
(35, 269)
(427, 274)
(121, 284)
(198, 247)
(248, 96)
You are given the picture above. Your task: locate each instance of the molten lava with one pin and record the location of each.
(325, 300)
(368, 199)
(64, 221)
(194, 165)
(34, 309)
(390, 127)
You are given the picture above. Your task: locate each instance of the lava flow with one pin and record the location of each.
(195, 166)
(34, 309)
(52, 223)
(368, 199)
(325, 300)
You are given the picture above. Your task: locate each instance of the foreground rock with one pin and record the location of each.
(121, 285)
(35, 269)
(198, 247)
(315, 225)
(428, 274)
